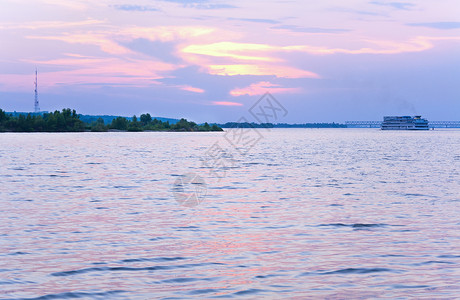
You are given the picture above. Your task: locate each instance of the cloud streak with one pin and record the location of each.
(261, 88)
(226, 103)
(239, 51)
(294, 28)
(202, 4)
(438, 25)
(260, 70)
(50, 24)
(102, 71)
(192, 89)
(417, 44)
(100, 40)
(395, 5)
(131, 7)
(264, 21)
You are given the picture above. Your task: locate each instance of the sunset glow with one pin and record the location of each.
(203, 149)
(261, 88)
(226, 103)
(347, 53)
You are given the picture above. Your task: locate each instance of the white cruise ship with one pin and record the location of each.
(404, 123)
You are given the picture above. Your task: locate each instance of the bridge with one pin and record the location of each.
(376, 124)
(444, 124)
(363, 124)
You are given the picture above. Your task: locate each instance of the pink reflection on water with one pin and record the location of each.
(278, 222)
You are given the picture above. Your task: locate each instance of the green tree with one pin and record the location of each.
(3, 120)
(214, 127)
(182, 125)
(68, 120)
(119, 123)
(134, 125)
(99, 126)
(39, 124)
(3, 116)
(146, 119)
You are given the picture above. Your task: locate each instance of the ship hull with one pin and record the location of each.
(403, 128)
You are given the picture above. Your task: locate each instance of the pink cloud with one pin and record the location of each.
(226, 103)
(261, 88)
(232, 58)
(170, 33)
(97, 71)
(49, 24)
(49, 80)
(260, 70)
(418, 44)
(192, 89)
(239, 51)
(101, 40)
(213, 49)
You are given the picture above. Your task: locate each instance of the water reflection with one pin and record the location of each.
(308, 213)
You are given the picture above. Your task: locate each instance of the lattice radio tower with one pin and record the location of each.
(36, 105)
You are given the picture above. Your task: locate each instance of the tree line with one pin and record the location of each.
(68, 120)
(65, 121)
(281, 125)
(147, 123)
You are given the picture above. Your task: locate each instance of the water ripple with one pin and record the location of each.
(363, 214)
(73, 295)
(129, 269)
(347, 271)
(130, 260)
(355, 226)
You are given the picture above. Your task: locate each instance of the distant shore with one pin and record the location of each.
(68, 120)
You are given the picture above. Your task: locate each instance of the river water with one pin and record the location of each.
(299, 213)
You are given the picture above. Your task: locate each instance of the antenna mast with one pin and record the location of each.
(36, 105)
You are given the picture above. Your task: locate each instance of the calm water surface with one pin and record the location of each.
(307, 213)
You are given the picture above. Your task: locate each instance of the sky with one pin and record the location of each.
(210, 60)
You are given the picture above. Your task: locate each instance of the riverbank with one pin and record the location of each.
(68, 120)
